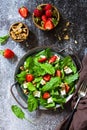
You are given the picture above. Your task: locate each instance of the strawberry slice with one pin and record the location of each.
(23, 11)
(48, 25)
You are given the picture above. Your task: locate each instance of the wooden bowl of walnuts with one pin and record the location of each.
(46, 16)
(19, 31)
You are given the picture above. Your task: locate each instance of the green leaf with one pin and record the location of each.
(50, 105)
(4, 39)
(48, 68)
(55, 22)
(32, 103)
(28, 63)
(21, 77)
(52, 84)
(31, 87)
(59, 100)
(18, 112)
(71, 78)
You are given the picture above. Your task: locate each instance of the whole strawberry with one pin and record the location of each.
(23, 11)
(48, 7)
(7, 53)
(48, 13)
(37, 13)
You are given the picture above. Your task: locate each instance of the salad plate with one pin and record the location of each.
(45, 78)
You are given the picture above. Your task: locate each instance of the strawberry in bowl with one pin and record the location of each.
(46, 17)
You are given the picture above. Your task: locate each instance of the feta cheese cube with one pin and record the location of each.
(43, 82)
(63, 92)
(25, 85)
(37, 93)
(49, 100)
(67, 70)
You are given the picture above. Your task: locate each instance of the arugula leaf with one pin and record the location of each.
(48, 68)
(18, 112)
(50, 105)
(31, 87)
(52, 84)
(32, 103)
(59, 100)
(28, 63)
(4, 39)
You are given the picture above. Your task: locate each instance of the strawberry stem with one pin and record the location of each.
(1, 52)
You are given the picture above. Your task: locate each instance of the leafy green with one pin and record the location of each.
(48, 68)
(4, 39)
(18, 111)
(55, 21)
(28, 63)
(52, 84)
(71, 78)
(32, 103)
(50, 105)
(31, 87)
(59, 100)
(21, 77)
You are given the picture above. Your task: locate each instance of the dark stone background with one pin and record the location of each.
(74, 11)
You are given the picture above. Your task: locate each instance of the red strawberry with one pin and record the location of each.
(7, 53)
(37, 13)
(48, 13)
(48, 25)
(44, 18)
(48, 7)
(23, 11)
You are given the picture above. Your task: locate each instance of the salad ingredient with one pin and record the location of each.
(3, 39)
(50, 85)
(67, 70)
(46, 77)
(7, 53)
(42, 59)
(46, 95)
(29, 77)
(52, 59)
(58, 73)
(48, 13)
(23, 11)
(44, 18)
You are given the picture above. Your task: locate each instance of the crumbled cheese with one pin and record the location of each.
(43, 82)
(58, 57)
(49, 100)
(37, 93)
(67, 70)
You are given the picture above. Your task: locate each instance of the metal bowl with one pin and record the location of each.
(62, 53)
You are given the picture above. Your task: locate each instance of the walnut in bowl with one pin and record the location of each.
(19, 32)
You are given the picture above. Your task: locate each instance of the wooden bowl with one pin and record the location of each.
(57, 17)
(19, 32)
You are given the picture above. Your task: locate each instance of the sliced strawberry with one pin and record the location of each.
(52, 59)
(48, 7)
(47, 77)
(42, 59)
(23, 11)
(67, 88)
(58, 73)
(48, 25)
(48, 13)
(37, 13)
(44, 18)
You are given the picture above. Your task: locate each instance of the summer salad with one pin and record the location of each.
(47, 79)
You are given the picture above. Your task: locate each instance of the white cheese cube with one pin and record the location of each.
(37, 93)
(49, 100)
(42, 82)
(63, 92)
(67, 70)
(25, 85)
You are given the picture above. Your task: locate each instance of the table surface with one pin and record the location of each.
(73, 11)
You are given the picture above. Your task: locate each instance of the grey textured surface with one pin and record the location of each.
(75, 12)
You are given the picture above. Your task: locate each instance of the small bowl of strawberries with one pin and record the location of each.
(46, 16)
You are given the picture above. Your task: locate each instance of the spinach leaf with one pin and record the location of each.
(52, 84)
(31, 87)
(18, 111)
(71, 78)
(50, 105)
(28, 63)
(4, 39)
(21, 77)
(59, 100)
(32, 103)
(48, 68)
